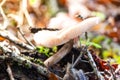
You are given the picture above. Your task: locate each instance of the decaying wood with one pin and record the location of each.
(59, 55)
(16, 56)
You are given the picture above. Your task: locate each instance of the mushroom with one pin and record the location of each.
(78, 7)
(54, 38)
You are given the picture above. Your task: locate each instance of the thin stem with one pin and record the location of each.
(92, 62)
(21, 32)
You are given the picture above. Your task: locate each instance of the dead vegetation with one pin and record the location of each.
(59, 39)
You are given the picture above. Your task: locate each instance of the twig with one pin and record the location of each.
(68, 73)
(5, 23)
(79, 59)
(25, 11)
(40, 69)
(1, 10)
(15, 40)
(118, 69)
(9, 71)
(21, 32)
(3, 1)
(15, 56)
(100, 77)
(36, 8)
(111, 71)
(18, 17)
(59, 55)
(3, 57)
(74, 74)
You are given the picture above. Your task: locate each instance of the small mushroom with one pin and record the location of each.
(78, 7)
(54, 38)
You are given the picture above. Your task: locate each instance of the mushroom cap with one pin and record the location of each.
(55, 38)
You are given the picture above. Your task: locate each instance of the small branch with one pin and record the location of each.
(118, 69)
(3, 57)
(25, 11)
(77, 60)
(15, 56)
(92, 62)
(19, 16)
(67, 75)
(59, 55)
(15, 40)
(9, 71)
(1, 10)
(111, 71)
(21, 32)
(5, 23)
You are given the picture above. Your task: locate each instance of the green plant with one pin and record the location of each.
(43, 50)
(89, 43)
(46, 51)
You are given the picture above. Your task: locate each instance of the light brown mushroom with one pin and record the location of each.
(55, 38)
